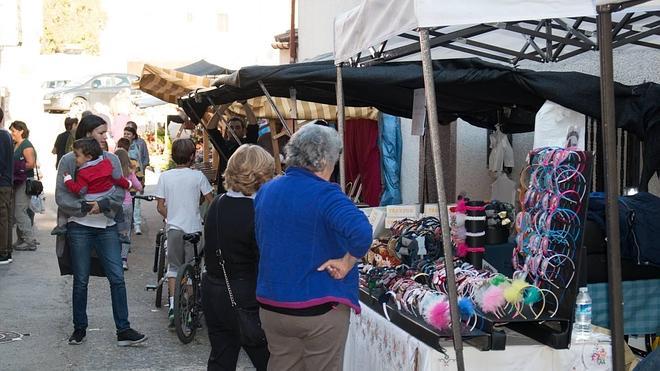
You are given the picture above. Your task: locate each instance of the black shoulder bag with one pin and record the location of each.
(249, 324)
(34, 187)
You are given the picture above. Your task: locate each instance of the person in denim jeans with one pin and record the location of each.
(94, 231)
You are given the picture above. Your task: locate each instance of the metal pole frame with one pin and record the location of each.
(274, 106)
(611, 186)
(434, 133)
(341, 121)
(608, 118)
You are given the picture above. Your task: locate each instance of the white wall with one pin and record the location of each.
(471, 167)
(316, 25)
(409, 164)
(154, 30)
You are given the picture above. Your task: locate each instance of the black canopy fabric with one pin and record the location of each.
(479, 92)
(204, 68)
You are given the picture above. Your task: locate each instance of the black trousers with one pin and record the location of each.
(222, 323)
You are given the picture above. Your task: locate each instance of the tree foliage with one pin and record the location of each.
(72, 24)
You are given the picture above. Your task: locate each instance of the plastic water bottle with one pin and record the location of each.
(582, 325)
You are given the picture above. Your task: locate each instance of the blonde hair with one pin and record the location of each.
(125, 161)
(248, 168)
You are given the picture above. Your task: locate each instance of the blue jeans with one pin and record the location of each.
(82, 240)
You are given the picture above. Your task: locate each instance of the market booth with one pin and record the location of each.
(370, 26)
(479, 89)
(477, 92)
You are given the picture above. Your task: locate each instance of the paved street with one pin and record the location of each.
(36, 301)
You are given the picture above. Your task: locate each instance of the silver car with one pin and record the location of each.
(79, 96)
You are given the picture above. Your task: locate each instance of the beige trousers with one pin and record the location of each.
(306, 343)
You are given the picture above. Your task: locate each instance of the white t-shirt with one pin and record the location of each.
(181, 189)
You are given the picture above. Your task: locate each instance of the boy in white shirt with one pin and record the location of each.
(178, 193)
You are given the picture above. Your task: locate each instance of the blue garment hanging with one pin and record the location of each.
(390, 144)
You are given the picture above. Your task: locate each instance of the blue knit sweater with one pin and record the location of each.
(301, 222)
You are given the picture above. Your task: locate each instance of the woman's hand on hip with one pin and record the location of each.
(338, 268)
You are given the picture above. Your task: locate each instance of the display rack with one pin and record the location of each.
(553, 331)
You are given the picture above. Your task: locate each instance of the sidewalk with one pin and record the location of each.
(36, 301)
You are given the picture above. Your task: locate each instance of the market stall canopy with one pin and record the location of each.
(493, 29)
(481, 93)
(304, 110)
(170, 84)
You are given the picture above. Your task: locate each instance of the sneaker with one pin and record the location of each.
(77, 337)
(5, 259)
(130, 337)
(170, 317)
(25, 246)
(124, 264)
(138, 230)
(59, 230)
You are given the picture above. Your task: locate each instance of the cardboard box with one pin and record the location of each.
(376, 216)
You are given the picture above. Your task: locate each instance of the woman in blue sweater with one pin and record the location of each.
(310, 235)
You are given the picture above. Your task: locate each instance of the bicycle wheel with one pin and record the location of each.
(161, 273)
(185, 297)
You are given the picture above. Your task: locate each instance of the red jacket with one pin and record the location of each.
(94, 178)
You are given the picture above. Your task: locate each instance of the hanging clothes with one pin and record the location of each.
(501, 154)
(390, 143)
(362, 157)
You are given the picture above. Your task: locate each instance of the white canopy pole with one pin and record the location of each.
(434, 133)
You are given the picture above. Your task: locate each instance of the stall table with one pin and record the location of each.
(376, 344)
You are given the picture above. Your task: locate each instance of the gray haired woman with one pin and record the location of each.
(310, 235)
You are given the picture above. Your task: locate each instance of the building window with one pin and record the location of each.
(222, 22)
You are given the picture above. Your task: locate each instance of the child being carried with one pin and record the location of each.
(94, 179)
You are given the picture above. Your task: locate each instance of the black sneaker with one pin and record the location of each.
(130, 337)
(77, 337)
(6, 259)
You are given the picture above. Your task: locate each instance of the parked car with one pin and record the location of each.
(77, 97)
(51, 85)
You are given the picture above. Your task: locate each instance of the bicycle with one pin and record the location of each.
(187, 294)
(160, 258)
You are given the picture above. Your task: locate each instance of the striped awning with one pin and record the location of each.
(168, 84)
(305, 110)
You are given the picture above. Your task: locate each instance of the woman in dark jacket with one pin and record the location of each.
(229, 228)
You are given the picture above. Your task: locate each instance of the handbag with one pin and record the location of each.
(20, 174)
(34, 187)
(249, 324)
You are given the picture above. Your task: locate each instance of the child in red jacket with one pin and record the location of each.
(94, 175)
(93, 178)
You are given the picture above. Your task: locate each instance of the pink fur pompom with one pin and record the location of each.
(493, 299)
(462, 250)
(460, 206)
(438, 315)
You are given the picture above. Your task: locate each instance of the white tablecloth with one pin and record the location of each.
(376, 344)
